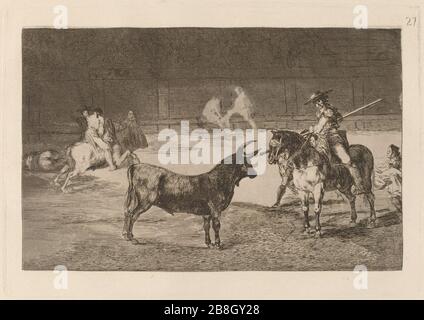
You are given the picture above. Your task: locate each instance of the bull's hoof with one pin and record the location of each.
(318, 234)
(209, 245)
(134, 241)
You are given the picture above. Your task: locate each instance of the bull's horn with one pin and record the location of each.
(242, 147)
(253, 154)
(247, 143)
(264, 152)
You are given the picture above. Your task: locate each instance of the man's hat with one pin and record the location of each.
(98, 110)
(395, 148)
(317, 95)
(84, 107)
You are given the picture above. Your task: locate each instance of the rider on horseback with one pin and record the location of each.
(327, 137)
(95, 135)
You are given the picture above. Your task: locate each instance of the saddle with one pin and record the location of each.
(343, 134)
(323, 146)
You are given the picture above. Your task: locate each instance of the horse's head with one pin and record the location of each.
(283, 141)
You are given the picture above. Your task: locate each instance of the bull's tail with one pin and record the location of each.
(131, 201)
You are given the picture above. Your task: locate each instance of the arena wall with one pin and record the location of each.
(166, 75)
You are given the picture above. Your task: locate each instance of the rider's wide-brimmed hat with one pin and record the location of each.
(84, 107)
(98, 110)
(317, 95)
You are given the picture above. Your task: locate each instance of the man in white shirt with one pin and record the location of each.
(212, 111)
(95, 133)
(242, 106)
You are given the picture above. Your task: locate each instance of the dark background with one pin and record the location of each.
(166, 75)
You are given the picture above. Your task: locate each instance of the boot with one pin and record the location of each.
(357, 178)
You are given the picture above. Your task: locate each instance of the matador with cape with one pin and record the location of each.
(130, 135)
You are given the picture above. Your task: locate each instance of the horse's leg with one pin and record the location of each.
(64, 170)
(68, 178)
(304, 198)
(339, 195)
(352, 199)
(206, 227)
(319, 196)
(127, 217)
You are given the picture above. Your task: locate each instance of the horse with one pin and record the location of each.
(79, 157)
(314, 174)
(82, 156)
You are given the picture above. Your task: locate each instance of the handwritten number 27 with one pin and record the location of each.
(411, 21)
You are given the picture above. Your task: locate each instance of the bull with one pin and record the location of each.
(206, 195)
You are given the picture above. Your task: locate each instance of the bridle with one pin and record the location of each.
(288, 160)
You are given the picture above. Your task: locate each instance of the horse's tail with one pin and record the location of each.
(368, 172)
(70, 161)
(131, 201)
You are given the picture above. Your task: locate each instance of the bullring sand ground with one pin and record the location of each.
(82, 229)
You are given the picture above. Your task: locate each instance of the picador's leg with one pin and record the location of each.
(319, 197)
(109, 160)
(357, 177)
(342, 154)
(206, 227)
(107, 152)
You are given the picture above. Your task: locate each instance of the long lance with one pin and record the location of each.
(362, 108)
(353, 112)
